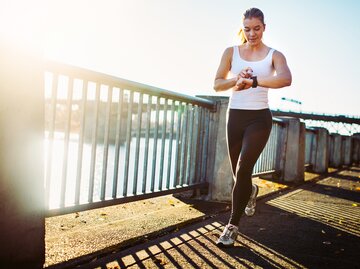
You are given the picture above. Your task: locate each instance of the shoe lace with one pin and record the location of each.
(251, 202)
(228, 231)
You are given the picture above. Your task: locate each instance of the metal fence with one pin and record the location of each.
(110, 140)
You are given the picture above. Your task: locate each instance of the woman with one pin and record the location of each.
(249, 70)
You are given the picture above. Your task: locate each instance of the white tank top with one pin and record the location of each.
(252, 98)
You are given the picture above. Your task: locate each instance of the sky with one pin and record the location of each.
(177, 44)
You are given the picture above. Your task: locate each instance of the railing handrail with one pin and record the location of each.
(90, 75)
(279, 121)
(318, 117)
(311, 129)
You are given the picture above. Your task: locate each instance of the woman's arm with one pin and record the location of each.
(283, 76)
(221, 82)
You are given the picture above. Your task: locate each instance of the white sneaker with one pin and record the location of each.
(228, 236)
(250, 207)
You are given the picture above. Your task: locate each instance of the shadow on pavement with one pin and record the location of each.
(336, 192)
(347, 177)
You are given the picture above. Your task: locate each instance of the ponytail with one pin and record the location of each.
(242, 36)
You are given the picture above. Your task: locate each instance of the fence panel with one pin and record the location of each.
(267, 161)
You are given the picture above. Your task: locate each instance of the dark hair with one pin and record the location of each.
(251, 13)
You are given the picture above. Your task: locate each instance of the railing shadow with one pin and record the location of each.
(353, 169)
(348, 177)
(337, 192)
(206, 209)
(195, 249)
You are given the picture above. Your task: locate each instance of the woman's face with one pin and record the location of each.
(253, 29)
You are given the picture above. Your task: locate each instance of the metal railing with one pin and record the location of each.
(110, 140)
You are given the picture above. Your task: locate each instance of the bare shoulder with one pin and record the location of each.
(225, 63)
(278, 56)
(279, 62)
(226, 58)
(228, 52)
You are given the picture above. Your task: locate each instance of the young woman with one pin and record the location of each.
(249, 70)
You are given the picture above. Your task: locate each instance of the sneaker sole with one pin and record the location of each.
(222, 245)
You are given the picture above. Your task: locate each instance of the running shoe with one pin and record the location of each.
(228, 236)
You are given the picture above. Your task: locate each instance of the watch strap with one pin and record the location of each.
(255, 82)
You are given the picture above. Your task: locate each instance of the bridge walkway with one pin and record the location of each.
(312, 225)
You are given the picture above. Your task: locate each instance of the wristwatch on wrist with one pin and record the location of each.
(255, 82)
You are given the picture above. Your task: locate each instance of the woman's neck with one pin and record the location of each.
(257, 47)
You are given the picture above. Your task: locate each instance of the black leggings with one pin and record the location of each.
(247, 134)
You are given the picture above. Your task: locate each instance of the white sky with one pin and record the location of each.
(177, 44)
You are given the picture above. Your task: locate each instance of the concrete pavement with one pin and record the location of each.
(313, 225)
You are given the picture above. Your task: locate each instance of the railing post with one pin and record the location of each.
(219, 173)
(22, 225)
(346, 148)
(335, 150)
(292, 157)
(321, 161)
(356, 148)
(302, 146)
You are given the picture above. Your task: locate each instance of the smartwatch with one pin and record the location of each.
(255, 82)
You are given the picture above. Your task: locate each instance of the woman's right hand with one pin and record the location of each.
(246, 72)
(243, 79)
(243, 84)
